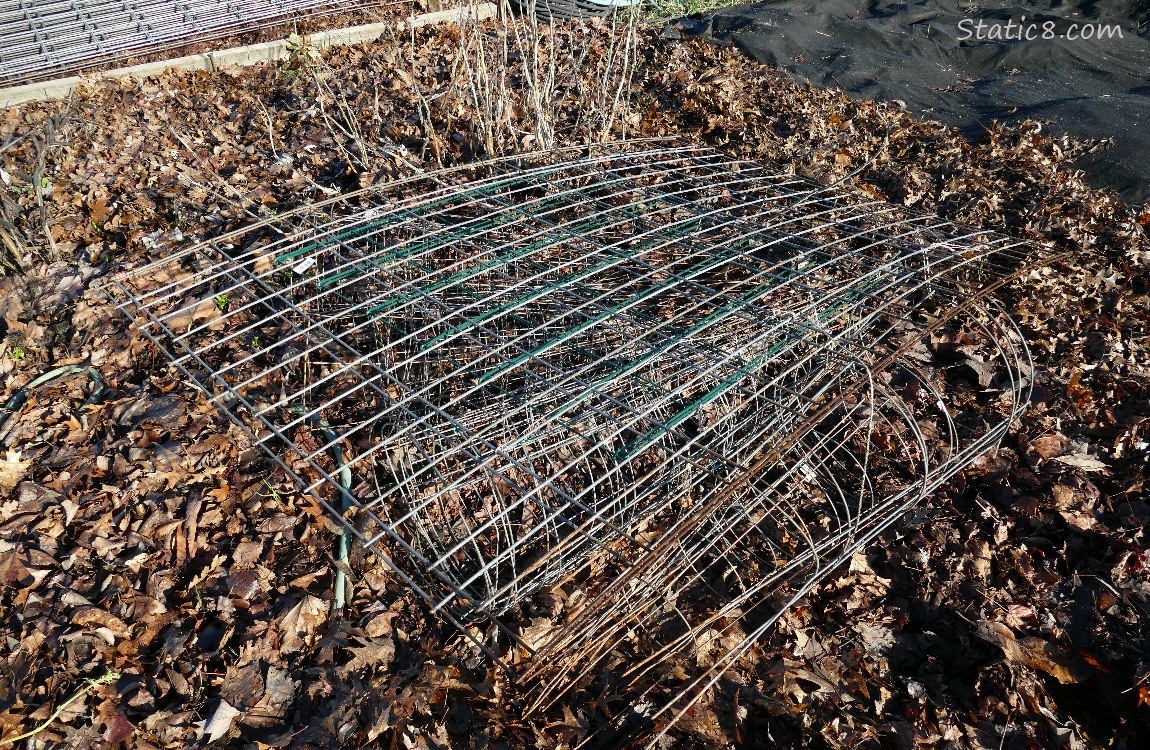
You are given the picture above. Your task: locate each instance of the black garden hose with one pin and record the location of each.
(20, 397)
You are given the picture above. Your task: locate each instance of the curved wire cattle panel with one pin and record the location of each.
(40, 40)
(625, 408)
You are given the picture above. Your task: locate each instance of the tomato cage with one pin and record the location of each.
(609, 411)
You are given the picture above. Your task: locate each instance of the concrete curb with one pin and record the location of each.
(238, 56)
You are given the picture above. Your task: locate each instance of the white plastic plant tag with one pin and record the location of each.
(304, 265)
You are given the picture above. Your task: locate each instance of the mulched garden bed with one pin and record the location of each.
(144, 536)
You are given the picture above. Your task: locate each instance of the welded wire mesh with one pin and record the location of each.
(624, 408)
(41, 40)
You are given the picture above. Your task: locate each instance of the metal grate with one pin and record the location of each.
(41, 40)
(623, 409)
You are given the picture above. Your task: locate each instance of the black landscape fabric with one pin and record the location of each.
(967, 63)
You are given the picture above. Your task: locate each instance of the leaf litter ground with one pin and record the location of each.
(146, 537)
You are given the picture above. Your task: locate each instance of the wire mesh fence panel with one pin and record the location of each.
(40, 40)
(612, 414)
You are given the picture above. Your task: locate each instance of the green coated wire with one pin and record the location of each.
(343, 472)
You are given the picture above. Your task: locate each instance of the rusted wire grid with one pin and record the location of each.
(574, 522)
(592, 640)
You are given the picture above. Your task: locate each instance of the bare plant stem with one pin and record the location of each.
(109, 677)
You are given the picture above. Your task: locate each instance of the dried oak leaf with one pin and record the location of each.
(1084, 463)
(537, 633)
(571, 728)
(369, 653)
(1034, 652)
(13, 572)
(300, 623)
(1047, 446)
(98, 210)
(193, 312)
(12, 470)
(221, 722)
(380, 625)
(277, 523)
(279, 687)
(1080, 394)
(117, 728)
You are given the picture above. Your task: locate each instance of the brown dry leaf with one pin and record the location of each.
(1065, 497)
(214, 443)
(1079, 520)
(796, 671)
(243, 584)
(370, 652)
(94, 617)
(279, 692)
(875, 636)
(1048, 446)
(300, 623)
(279, 688)
(1081, 395)
(1084, 463)
(980, 560)
(13, 573)
(704, 644)
(220, 493)
(221, 722)
(194, 312)
(12, 470)
(380, 625)
(247, 554)
(571, 727)
(98, 210)
(73, 710)
(1017, 615)
(277, 523)
(1034, 653)
(117, 728)
(536, 634)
